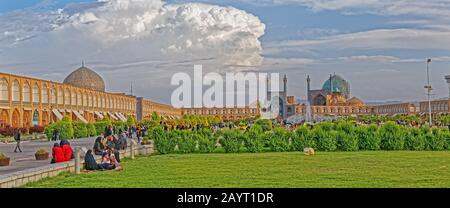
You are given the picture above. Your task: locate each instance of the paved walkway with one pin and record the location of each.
(25, 160)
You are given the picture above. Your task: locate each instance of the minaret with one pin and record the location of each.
(331, 84)
(285, 84)
(269, 95)
(131, 90)
(308, 87)
(448, 82)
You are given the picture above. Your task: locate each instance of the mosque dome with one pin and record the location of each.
(338, 84)
(85, 78)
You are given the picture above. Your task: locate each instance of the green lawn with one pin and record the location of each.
(335, 169)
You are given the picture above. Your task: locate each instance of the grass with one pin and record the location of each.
(267, 170)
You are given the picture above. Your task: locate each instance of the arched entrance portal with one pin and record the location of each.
(15, 119)
(319, 100)
(26, 118)
(35, 118)
(4, 116)
(44, 118)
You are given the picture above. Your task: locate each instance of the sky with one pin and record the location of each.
(379, 46)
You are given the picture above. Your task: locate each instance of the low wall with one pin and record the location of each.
(23, 177)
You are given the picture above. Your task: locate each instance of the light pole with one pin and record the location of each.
(429, 88)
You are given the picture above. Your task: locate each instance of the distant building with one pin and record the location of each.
(437, 107)
(279, 100)
(334, 85)
(333, 99)
(395, 109)
(26, 101)
(226, 114)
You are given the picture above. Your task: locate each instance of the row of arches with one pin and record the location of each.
(61, 95)
(24, 118)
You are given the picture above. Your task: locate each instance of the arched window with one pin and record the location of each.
(53, 94)
(15, 91)
(67, 97)
(85, 99)
(35, 93)
(44, 93)
(95, 101)
(26, 93)
(104, 102)
(4, 92)
(60, 96)
(74, 98)
(79, 99)
(90, 100)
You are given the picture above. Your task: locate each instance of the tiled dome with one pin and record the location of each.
(86, 78)
(339, 85)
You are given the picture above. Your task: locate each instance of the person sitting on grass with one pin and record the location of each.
(57, 153)
(99, 148)
(110, 144)
(90, 163)
(116, 165)
(106, 162)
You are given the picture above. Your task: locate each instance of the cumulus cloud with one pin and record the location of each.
(164, 31)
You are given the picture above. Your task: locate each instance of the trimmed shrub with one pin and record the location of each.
(205, 144)
(48, 131)
(392, 136)
(119, 125)
(231, 141)
(278, 140)
(325, 140)
(446, 135)
(435, 140)
(265, 124)
(368, 138)
(346, 141)
(80, 130)
(100, 126)
(91, 131)
(326, 126)
(415, 140)
(131, 121)
(65, 129)
(302, 138)
(186, 145)
(163, 140)
(346, 127)
(253, 141)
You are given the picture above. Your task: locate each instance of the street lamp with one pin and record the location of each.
(429, 89)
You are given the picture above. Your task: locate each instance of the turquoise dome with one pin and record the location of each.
(339, 85)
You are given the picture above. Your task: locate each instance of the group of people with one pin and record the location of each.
(62, 152)
(107, 146)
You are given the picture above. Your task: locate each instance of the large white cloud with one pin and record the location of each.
(163, 31)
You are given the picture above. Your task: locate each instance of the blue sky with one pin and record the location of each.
(379, 46)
